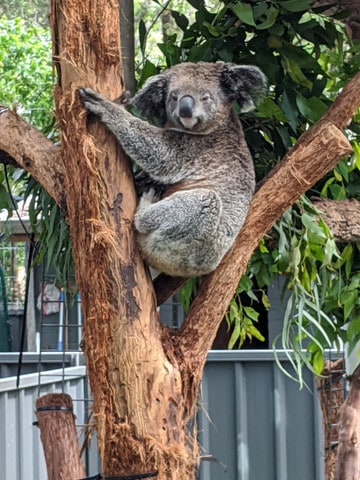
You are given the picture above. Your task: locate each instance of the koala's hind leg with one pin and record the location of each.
(194, 214)
(179, 234)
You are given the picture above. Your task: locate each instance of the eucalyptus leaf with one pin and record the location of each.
(244, 12)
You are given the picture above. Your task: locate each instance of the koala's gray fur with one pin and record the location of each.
(198, 151)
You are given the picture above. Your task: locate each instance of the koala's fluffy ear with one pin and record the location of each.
(150, 100)
(245, 84)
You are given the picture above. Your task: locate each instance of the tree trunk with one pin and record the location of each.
(140, 412)
(348, 455)
(59, 437)
(144, 377)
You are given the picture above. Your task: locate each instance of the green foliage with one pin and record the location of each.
(32, 12)
(51, 233)
(26, 80)
(241, 319)
(25, 71)
(307, 57)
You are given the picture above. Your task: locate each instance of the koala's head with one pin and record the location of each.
(197, 97)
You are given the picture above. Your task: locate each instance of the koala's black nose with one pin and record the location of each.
(186, 106)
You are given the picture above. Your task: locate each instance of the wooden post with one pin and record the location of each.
(330, 388)
(348, 455)
(56, 421)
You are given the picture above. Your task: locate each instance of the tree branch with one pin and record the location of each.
(339, 114)
(341, 216)
(316, 152)
(32, 151)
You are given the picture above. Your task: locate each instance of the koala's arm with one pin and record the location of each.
(148, 146)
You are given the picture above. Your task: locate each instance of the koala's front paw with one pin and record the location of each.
(92, 101)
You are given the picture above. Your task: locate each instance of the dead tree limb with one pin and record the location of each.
(341, 216)
(32, 151)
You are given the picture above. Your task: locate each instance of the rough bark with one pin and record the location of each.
(330, 388)
(145, 378)
(348, 455)
(33, 151)
(342, 217)
(56, 421)
(139, 408)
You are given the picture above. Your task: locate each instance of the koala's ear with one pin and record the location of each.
(246, 84)
(150, 100)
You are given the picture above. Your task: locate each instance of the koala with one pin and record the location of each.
(194, 147)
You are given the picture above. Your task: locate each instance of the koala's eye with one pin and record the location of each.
(174, 97)
(205, 97)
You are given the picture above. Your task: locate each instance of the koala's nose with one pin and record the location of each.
(186, 106)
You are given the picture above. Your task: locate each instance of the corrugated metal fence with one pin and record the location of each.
(253, 420)
(260, 426)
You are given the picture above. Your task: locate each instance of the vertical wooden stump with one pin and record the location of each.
(348, 455)
(330, 389)
(56, 421)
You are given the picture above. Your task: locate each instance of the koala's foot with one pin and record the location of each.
(143, 183)
(147, 199)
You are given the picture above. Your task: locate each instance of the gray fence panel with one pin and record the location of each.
(256, 422)
(252, 419)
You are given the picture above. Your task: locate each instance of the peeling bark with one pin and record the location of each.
(139, 409)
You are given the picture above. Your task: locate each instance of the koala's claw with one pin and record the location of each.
(88, 95)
